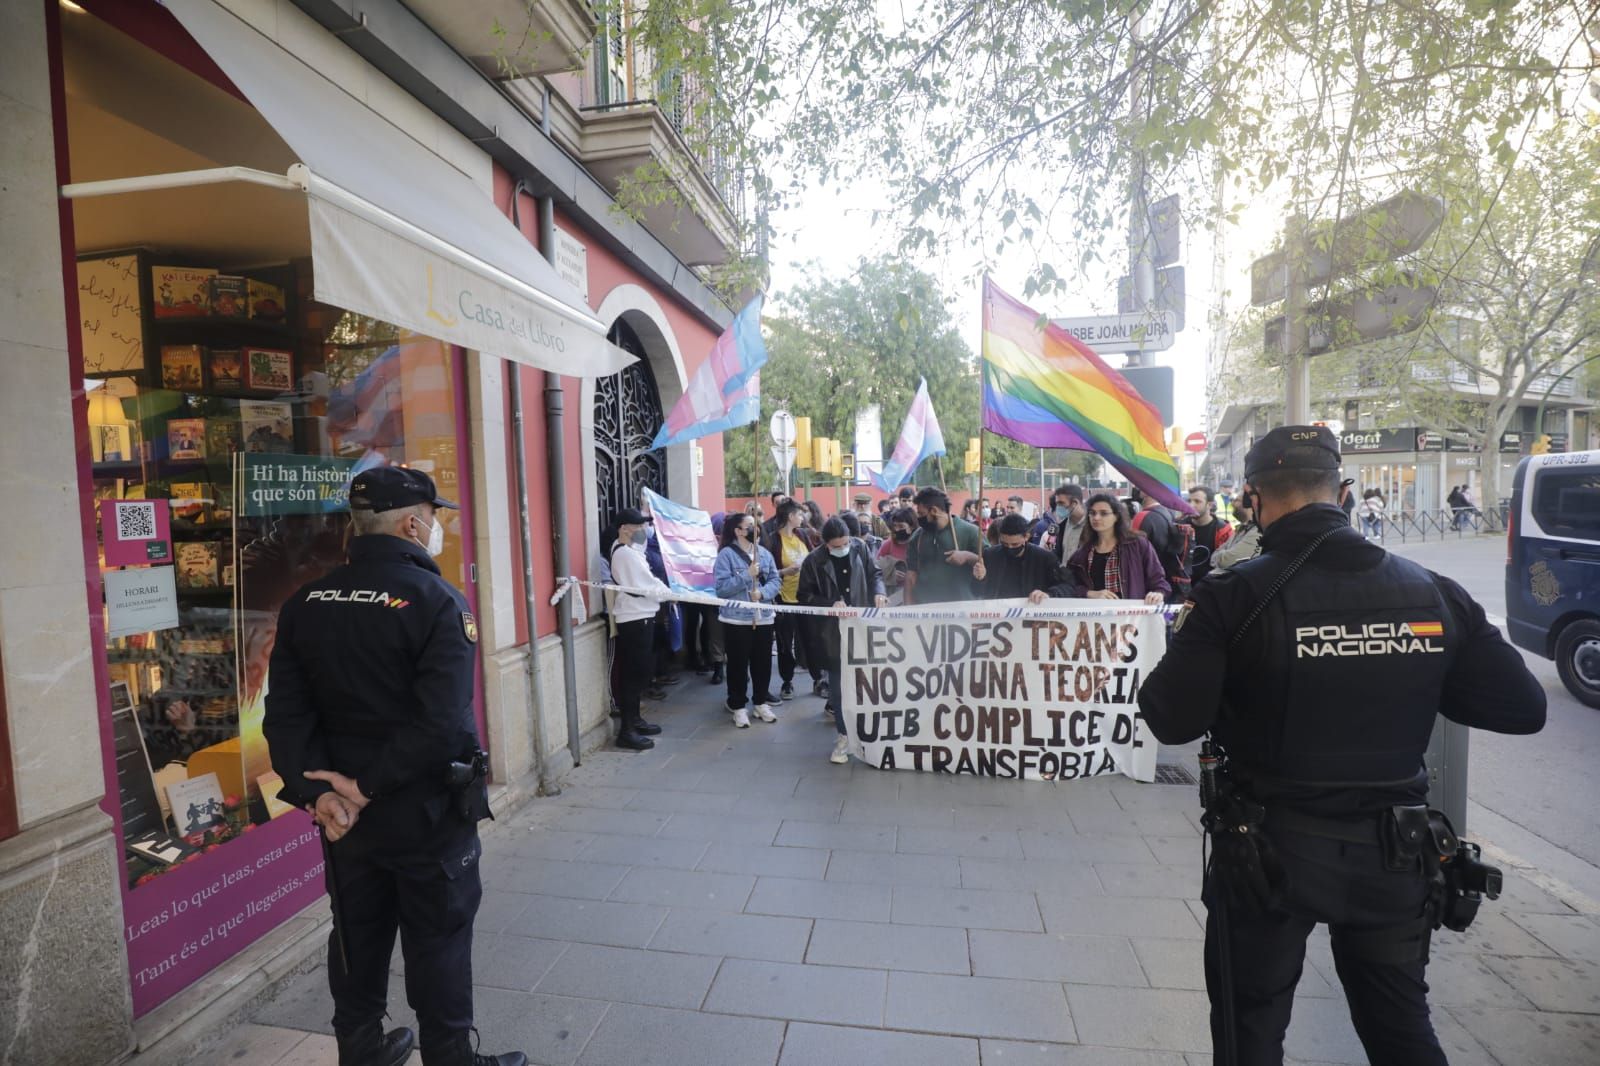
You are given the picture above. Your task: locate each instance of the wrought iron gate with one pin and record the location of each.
(627, 415)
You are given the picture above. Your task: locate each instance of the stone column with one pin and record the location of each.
(64, 968)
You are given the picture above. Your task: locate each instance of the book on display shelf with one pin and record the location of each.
(181, 292)
(186, 438)
(180, 367)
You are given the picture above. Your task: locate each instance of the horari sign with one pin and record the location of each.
(1045, 695)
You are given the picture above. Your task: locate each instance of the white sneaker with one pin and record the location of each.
(841, 751)
(741, 718)
(764, 713)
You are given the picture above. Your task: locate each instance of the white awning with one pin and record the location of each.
(396, 232)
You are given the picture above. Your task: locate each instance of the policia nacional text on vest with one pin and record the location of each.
(1318, 670)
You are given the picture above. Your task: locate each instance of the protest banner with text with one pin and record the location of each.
(1042, 694)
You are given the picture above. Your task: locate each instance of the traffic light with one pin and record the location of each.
(1541, 445)
(802, 443)
(820, 456)
(847, 466)
(835, 457)
(974, 457)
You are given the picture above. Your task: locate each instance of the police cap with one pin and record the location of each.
(1294, 448)
(383, 488)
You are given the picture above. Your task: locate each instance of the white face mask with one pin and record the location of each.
(435, 543)
(839, 553)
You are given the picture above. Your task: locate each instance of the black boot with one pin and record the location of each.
(371, 1046)
(458, 1052)
(716, 674)
(632, 741)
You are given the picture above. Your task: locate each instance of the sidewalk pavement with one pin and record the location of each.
(733, 899)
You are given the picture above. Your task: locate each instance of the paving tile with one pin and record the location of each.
(1467, 981)
(904, 815)
(499, 909)
(555, 877)
(1014, 1053)
(656, 1036)
(667, 800)
(620, 823)
(1118, 917)
(631, 975)
(979, 1006)
(1460, 1046)
(251, 1043)
(966, 907)
(779, 785)
(765, 861)
(685, 888)
(1082, 847)
(802, 898)
(1320, 1031)
(1527, 1036)
(1148, 796)
(602, 796)
(1573, 936)
(1569, 985)
(977, 843)
(1519, 895)
(831, 1045)
(738, 827)
(1031, 875)
(639, 851)
(744, 936)
(884, 946)
(514, 962)
(1146, 879)
(1136, 823)
(798, 834)
(303, 1003)
(882, 868)
(1183, 851)
(1161, 1019)
(540, 843)
(802, 810)
(1107, 960)
(628, 925)
(670, 779)
(1495, 933)
(548, 1029)
(834, 994)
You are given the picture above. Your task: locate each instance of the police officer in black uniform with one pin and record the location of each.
(1324, 702)
(369, 722)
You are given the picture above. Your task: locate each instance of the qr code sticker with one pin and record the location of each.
(136, 521)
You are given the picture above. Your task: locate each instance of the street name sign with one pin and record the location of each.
(1122, 333)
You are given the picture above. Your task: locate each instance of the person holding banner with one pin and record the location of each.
(940, 556)
(1015, 569)
(1115, 561)
(745, 571)
(841, 573)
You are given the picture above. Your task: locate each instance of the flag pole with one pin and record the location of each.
(938, 461)
(981, 515)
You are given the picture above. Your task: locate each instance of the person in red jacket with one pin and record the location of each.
(1210, 532)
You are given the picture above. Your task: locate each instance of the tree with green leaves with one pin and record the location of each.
(838, 344)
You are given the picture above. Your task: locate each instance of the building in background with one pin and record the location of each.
(196, 360)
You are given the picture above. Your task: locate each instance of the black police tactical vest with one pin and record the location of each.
(1352, 665)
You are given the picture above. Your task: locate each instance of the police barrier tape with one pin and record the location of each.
(964, 610)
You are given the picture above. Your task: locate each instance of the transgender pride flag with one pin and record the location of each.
(920, 437)
(726, 390)
(688, 546)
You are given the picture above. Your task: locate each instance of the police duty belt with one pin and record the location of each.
(960, 611)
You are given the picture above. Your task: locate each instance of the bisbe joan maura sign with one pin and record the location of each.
(1046, 695)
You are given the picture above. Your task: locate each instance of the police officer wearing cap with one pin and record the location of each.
(1319, 668)
(369, 723)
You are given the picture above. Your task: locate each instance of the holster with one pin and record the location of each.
(1243, 861)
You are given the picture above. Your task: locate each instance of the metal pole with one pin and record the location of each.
(556, 452)
(530, 598)
(1296, 330)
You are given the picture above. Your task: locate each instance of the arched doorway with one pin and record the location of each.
(627, 416)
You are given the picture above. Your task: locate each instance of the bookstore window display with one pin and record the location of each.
(227, 414)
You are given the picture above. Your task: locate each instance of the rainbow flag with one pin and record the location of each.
(1042, 387)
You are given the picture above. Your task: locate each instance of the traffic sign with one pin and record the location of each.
(1354, 318)
(784, 457)
(1194, 442)
(1384, 231)
(1123, 333)
(782, 429)
(1166, 230)
(1169, 295)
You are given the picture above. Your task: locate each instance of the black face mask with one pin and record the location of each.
(1018, 551)
(926, 522)
(902, 535)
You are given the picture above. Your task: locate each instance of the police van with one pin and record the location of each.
(1553, 566)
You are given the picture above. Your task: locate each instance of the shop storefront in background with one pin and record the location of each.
(225, 423)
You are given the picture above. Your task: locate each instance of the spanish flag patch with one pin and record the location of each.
(1427, 629)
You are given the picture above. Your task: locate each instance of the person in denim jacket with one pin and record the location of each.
(745, 571)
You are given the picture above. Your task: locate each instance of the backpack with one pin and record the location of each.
(1174, 549)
